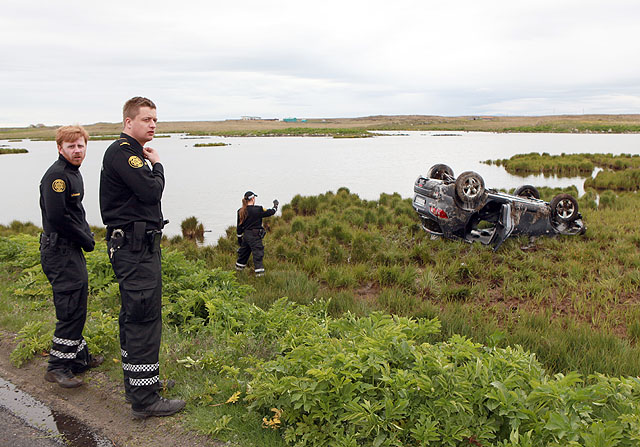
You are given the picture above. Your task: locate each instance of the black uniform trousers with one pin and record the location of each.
(139, 275)
(251, 243)
(66, 269)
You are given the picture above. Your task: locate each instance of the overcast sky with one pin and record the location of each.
(78, 61)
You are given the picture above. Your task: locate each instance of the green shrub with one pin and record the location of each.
(306, 206)
(34, 337)
(378, 381)
(192, 229)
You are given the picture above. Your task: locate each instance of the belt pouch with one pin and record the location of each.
(139, 230)
(154, 237)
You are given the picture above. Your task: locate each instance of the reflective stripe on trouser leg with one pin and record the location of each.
(139, 275)
(69, 349)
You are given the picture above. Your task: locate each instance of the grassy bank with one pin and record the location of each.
(365, 331)
(572, 300)
(356, 127)
(287, 374)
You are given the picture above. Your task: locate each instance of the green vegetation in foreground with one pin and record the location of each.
(287, 374)
(210, 144)
(571, 300)
(12, 151)
(293, 132)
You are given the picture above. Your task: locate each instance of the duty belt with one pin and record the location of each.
(53, 240)
(135, 240)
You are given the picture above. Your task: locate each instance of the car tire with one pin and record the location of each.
(439, 172)
(564, 207)
(470, 189)
(527, 191)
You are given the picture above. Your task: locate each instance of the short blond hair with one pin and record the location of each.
(70, 134)
(132, 106)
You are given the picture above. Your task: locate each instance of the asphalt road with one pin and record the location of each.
(15, 433)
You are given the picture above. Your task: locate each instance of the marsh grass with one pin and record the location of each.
(4, 151)
(618, 172)
(192, 229)
(211, 144)
(292, 132)
(367, 255)
(567, 165)
(627, 180)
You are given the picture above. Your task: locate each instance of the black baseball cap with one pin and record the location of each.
(250, 195)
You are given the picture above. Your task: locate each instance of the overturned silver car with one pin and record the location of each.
(462, 208)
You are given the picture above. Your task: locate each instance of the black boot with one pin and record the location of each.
(63, 377)
(161, 407)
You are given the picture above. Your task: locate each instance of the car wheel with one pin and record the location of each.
(440, 172)
(527, 191)
(470, 188)
(564, 207)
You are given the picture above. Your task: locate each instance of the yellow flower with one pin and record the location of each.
(234, 398)
(274, 422)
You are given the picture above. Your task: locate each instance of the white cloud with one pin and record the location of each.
(80, 61)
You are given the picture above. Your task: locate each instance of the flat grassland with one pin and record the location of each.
(555, 123)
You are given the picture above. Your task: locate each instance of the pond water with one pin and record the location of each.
(208, 182)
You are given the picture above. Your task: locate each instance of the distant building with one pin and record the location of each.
(290, 120)
(250, 118)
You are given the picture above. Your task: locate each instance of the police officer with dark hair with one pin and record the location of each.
(130, 195)
(250, 232)
(66, 234)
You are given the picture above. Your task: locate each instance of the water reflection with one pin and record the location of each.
(67, 429)
(208, 182)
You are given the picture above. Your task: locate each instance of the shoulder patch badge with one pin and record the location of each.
(59, 185)
(135, 162)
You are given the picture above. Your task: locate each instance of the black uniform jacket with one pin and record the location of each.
(130, 191)
(255, 213)
(61, 194)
